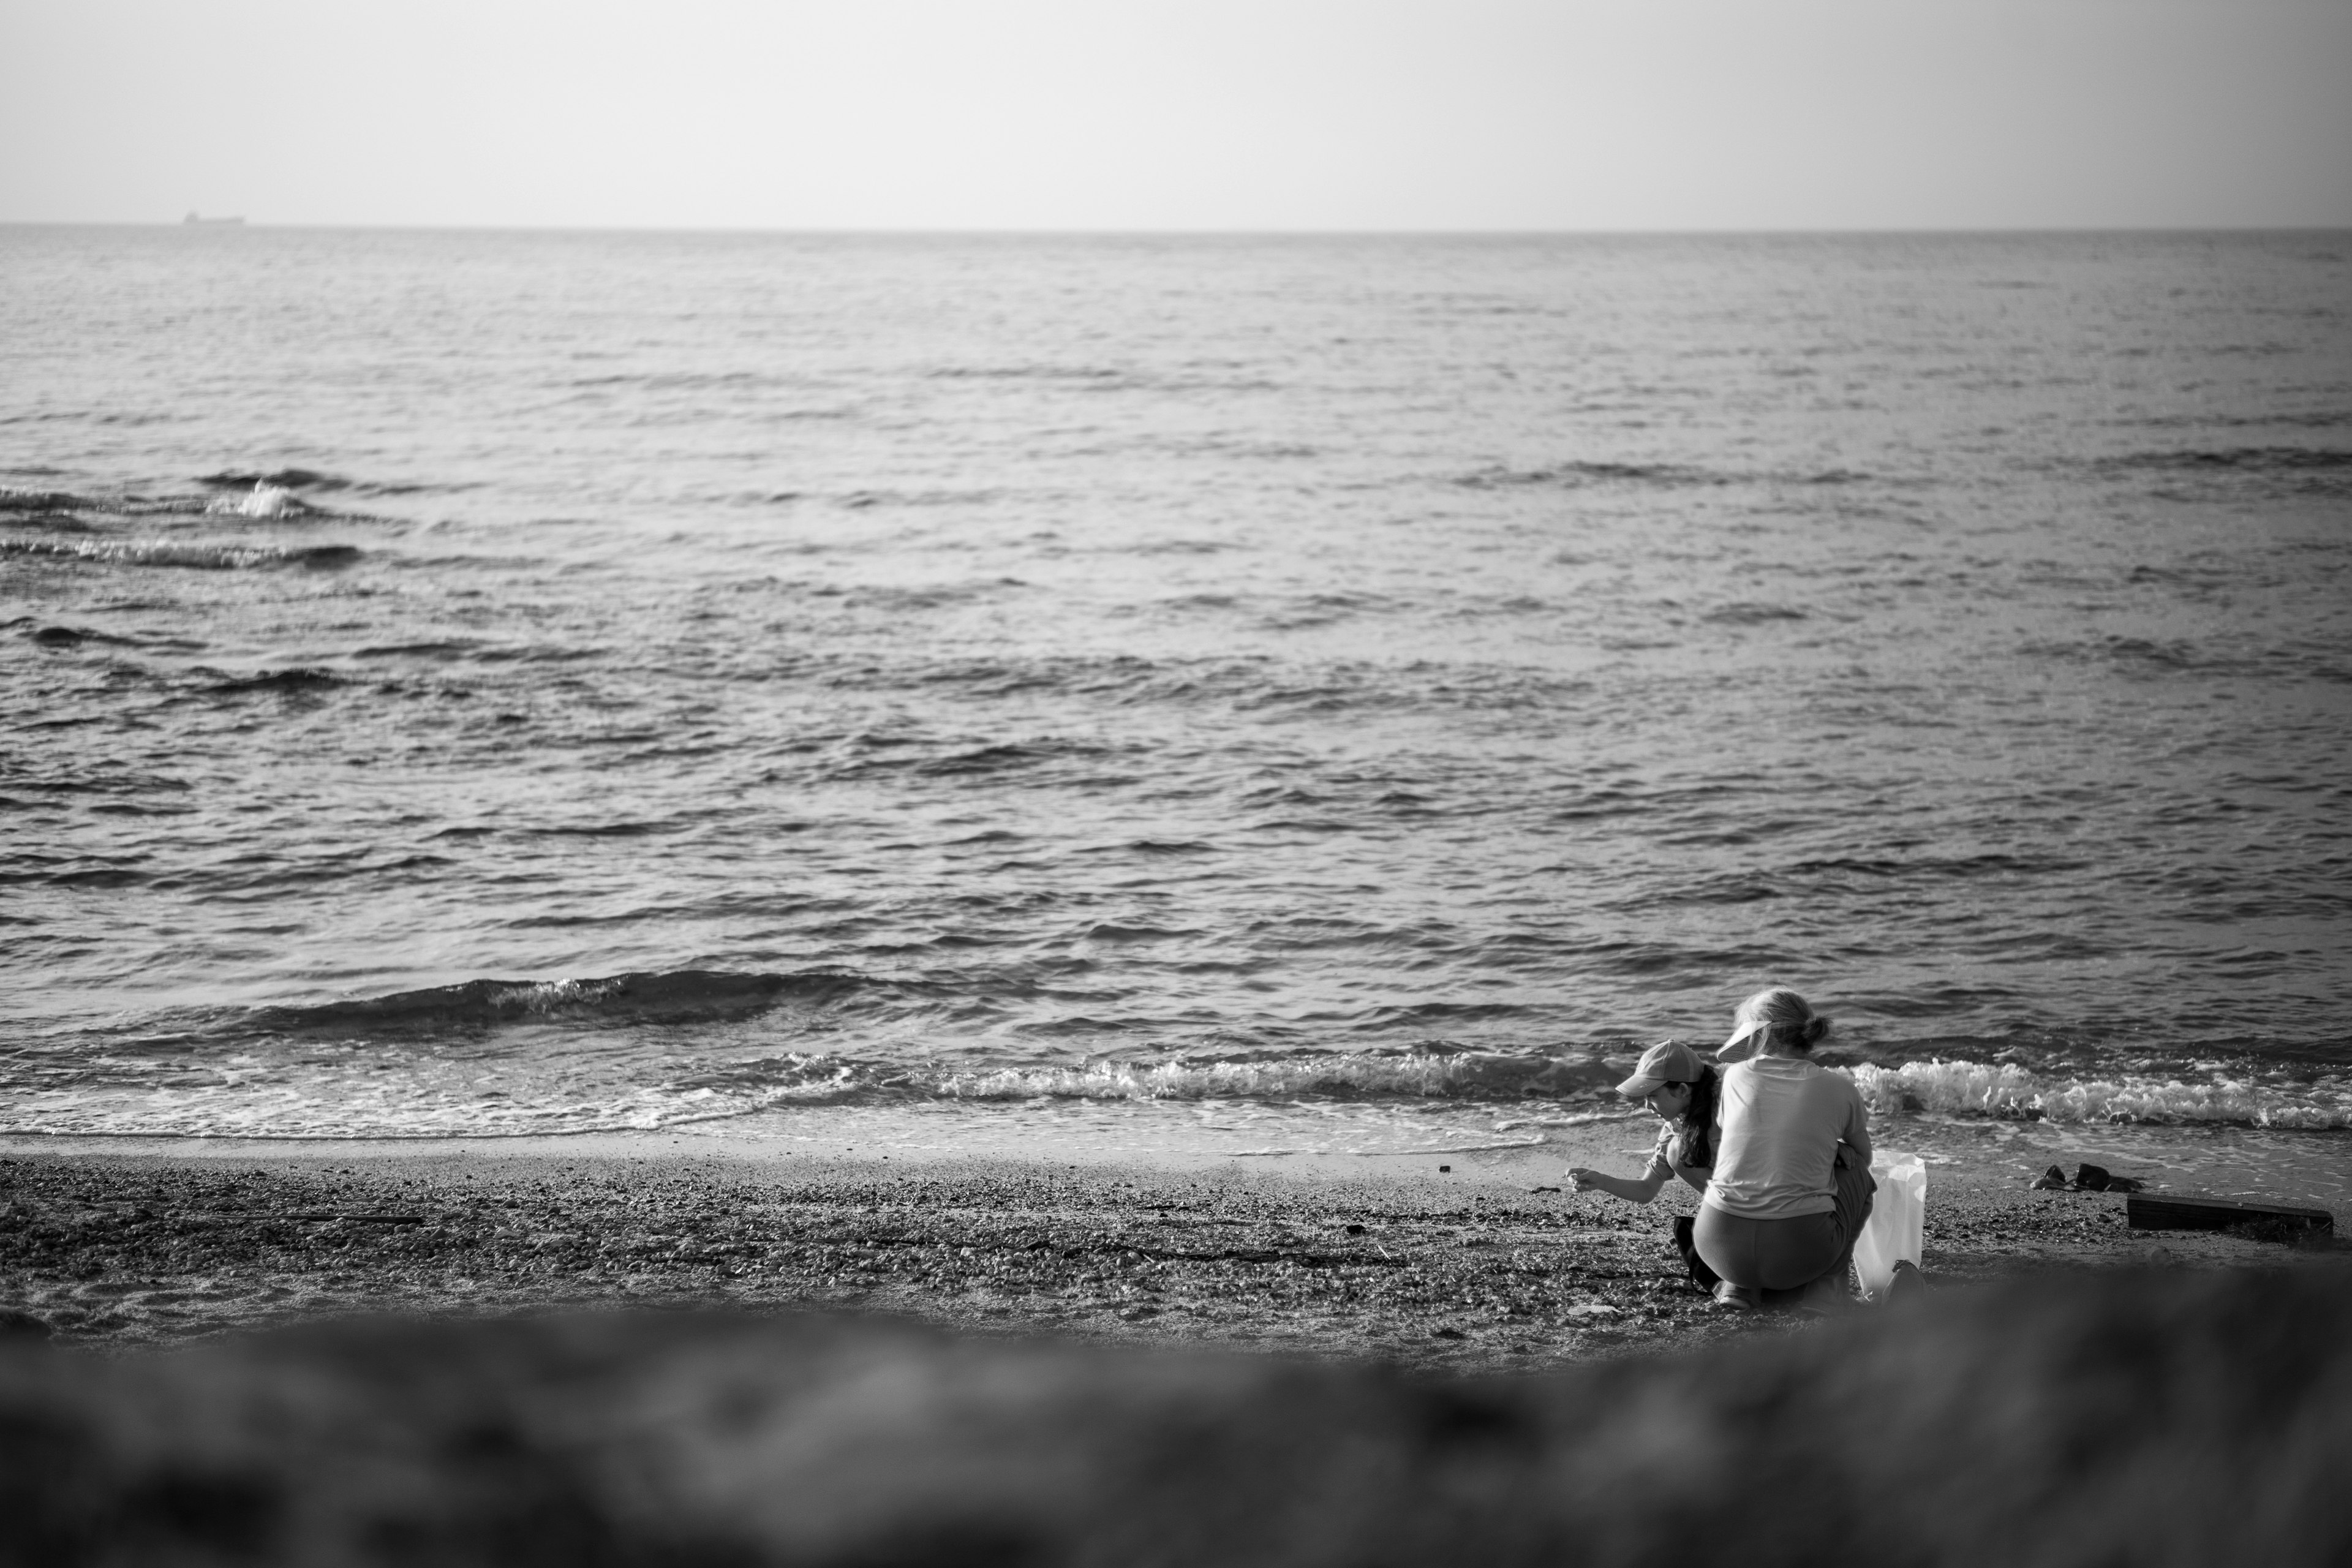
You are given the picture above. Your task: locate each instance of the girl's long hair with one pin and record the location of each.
(1698, 1122)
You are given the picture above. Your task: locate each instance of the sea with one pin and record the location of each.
(1251, 695)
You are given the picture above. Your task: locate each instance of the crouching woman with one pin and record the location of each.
(1682, 1093)
(1790, 1185)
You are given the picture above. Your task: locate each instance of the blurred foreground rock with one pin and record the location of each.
(2140, 1419)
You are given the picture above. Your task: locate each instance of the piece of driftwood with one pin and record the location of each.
(2171, 1210)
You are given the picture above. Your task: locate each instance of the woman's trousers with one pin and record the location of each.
(1787, 1254)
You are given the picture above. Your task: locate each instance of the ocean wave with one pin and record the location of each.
(53, 507)
(1744, 614)
(2241, 458)
(266, 499)
(255, 1091)
(911, 1034)
(2000, 1090)
(1421, 1074)
(297, 678)
(867, 754)
(862, 500)
(389, 1110)
(19, 503)
(1678, 476)
(2161, 659)
(2006, 1091)
(161, 1089)
(314, 481)
(639, 996)
(74, 636)
(275, 479)
(1105, 378)
(1247, 684)
(2276, 470)
(202, 557)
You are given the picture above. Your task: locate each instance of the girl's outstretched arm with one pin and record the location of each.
(1633, 1189)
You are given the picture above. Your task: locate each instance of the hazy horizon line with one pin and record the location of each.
(231, 220)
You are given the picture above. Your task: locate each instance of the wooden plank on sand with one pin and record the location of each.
(2170, 1211)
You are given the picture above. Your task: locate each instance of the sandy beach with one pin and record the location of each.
(1484, 1266)
(463, 1354)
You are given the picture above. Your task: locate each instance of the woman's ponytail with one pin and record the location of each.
(1783, 1018)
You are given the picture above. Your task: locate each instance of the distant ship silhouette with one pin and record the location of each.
(191, 217)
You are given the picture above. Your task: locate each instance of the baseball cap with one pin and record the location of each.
(1665, 1062)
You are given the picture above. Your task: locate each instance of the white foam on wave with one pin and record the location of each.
(246, 1099)
(267, 500)
(429, 1096)
(2004, 1090)
(1996, 1089)
(1432, 1075)
(202, 556)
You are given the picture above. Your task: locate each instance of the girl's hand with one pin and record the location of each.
(1585, 1181)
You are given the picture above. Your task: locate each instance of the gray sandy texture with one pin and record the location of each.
(1410, 1269)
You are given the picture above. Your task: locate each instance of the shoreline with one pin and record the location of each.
(2304, 1166)
(1487, 1266)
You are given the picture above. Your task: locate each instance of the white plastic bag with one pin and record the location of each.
(1897, 1222)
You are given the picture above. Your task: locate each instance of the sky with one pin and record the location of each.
(1188, 114)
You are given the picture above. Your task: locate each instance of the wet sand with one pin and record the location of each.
(1485, 1266)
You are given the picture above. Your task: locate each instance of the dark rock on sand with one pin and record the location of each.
(2182, 1418)
(2087, 1178)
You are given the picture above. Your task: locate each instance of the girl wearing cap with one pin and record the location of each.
(1681, 1090)
(1790, 1185)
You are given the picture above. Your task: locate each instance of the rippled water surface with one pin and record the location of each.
(476, 682)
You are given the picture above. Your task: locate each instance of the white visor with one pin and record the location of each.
(1742, 1043)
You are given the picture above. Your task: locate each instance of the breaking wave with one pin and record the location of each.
(265, 499)
(202, 557)
(1465, 1075)
(275, 496)
(649, 1050)
(1912, 1089)
(2006, 1091)
(838, 1036)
